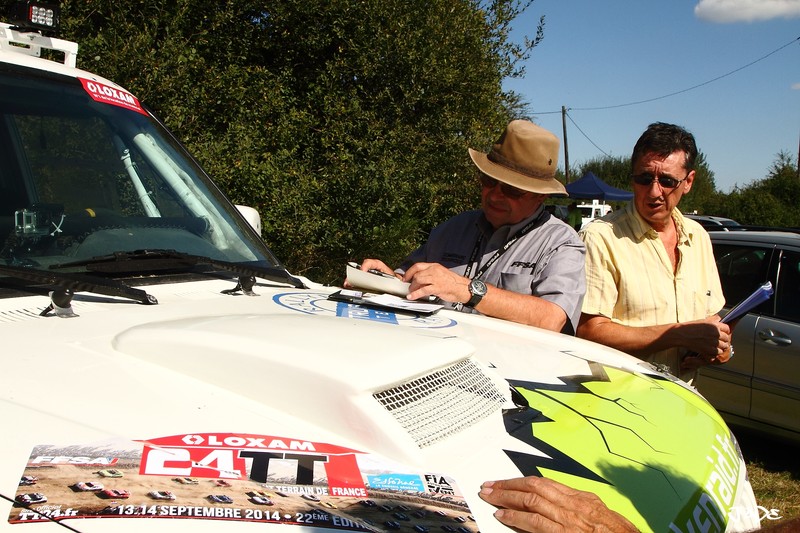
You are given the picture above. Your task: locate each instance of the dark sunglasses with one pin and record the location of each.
(666, 182)
(508, 190)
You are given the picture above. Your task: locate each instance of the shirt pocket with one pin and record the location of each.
(521, 283)
(700, 300)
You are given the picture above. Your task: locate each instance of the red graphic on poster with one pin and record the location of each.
(213, 455)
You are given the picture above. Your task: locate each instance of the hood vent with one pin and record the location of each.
(21, 315)
(437, 405)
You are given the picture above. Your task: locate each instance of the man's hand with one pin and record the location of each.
(539, 505)
(377, 264)
(708, 337)
(373, 264)
(433, 279)
(429, 279)
(712, 339)
(693, 361)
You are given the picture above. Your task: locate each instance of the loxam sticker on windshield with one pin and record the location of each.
(226, 476)
(107, 94)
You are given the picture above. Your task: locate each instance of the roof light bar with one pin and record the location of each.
(30, 15)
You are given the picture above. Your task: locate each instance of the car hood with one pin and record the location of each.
(292, 393)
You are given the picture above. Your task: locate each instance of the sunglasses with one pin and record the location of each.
(666, 182)
(507, 190)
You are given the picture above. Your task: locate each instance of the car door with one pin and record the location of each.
(776, 372)
(742, 268)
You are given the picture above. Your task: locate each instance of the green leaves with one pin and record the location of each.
(346, 123)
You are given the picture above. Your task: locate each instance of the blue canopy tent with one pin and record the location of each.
(592, 187)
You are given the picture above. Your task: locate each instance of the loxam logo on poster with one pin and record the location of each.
(242, 477)
(250, 457)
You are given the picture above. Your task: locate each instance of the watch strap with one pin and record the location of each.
(478, 290)
(475, 300)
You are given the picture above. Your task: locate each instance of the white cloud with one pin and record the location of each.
(725, 11)
(796, 86)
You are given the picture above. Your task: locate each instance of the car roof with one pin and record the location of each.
(13, 54)
(722, 221)
(787, 238)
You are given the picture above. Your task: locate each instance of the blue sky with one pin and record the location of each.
(606, 54)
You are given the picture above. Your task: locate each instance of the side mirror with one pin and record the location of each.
(251, 216)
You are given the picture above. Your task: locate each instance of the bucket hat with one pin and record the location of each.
(525, 156)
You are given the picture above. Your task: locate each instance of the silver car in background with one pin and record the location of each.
(713, 223)
(759, 387)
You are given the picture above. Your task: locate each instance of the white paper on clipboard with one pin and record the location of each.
(383, 283)
(385, 301)
(759, 296)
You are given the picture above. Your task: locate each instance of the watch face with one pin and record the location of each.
(478, 287)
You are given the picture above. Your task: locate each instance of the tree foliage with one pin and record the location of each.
(704, 187)
(615, 171)
(346, 123)
(772, 201)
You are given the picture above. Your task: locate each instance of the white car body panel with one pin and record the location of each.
(202, 362)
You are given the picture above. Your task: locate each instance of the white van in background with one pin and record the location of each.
(596, 209)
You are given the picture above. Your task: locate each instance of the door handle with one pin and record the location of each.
(771, 337)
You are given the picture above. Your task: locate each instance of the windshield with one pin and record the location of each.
(83, 175)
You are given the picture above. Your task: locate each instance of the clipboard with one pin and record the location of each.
(386, 302)
(756, 298)
(375, 281)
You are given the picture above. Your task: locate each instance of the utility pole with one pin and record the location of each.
(566, 150)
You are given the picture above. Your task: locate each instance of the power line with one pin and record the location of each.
(564, 110)
(693, 87)
(584, 134)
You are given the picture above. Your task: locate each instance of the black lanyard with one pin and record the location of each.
(476, 250)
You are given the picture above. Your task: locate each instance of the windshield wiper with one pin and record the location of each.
(72, 282)
(148, 260)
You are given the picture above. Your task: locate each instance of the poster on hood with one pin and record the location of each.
(241, 477)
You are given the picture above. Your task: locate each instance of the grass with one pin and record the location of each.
(774, 472)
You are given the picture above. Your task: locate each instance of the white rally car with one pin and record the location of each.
(125, 273)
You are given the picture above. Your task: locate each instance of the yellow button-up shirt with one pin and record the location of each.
(629, 276)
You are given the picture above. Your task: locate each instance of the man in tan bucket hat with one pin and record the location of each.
(510, 259)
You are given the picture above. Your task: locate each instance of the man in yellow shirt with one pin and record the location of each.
(652, 284)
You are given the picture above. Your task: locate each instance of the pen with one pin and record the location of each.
(380, 273)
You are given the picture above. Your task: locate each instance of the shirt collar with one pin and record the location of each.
(509, 231)
(685, 235)
(642, 229)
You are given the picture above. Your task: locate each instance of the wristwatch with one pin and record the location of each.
(477, 289)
